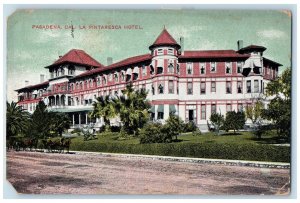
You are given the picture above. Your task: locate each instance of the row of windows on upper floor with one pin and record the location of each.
(61, 71)
(257, 88)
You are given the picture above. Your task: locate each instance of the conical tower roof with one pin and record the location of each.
(165, 39)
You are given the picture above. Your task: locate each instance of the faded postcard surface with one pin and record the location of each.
(203, 84)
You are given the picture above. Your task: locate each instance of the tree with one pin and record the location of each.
(104, 107)
(234, 120)
(217, 120)
(59, 122)
(132, 108)
(40, 124)
(17, 120)
(174, 126)
(254, 112)
(279, 109)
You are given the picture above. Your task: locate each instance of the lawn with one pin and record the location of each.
(243, 146)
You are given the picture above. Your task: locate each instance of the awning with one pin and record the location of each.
(35, 92)
(172, 109)
(247, 64)
(152, 110)
(88, 96)
(257, 62)
(136, 70)
(49, 88)
(46, 100)
(129, 71)
(160, 108)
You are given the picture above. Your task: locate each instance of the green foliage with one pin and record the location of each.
(254, 112)
(174, 126)
(234, 120)
(217, 120)
(279, 109)
(234, 151)
(59, 122)
(154, 133)
(189, 127)
(17, 120)
(40, 125)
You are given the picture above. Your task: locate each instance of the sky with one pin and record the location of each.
(30, 49)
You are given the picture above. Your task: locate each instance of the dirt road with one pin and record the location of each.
(46, 173)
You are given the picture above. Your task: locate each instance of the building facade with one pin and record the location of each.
(190, 83)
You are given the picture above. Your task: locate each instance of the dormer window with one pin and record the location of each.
(160, 51)
(228, 67)
(189, 69)
(213, 67)
(202, 68)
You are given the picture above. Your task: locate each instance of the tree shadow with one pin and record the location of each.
(231, 133)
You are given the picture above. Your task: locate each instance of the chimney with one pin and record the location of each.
(240, 44)
(26, 83)
(60, 56)
(181, 39)
(42, 78)
(109, 60)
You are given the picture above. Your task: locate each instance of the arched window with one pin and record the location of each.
(171, 68)
(160, 89)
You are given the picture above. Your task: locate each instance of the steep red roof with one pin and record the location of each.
(78, 57)
(213, 54)
(164, 39)
(34, 86)
(125, 62)
(252, 47)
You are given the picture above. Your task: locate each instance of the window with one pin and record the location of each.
(77, 86)
(213, 86)
(228, 87)
(171, 87)
(228, 67)
(228, 107)
(239, 66)
(153, 90)
(213, 67)
(202, 68)
(240, 107)
(202, 87)
(189, 69)
(178, 68)
(91, 83)
(144, 70)
(248, 86)
(123, 76)
(62, 71)
(98, 81)
(143, 86)
(104, 80)
(268, 69)
(160, 70)
(135, 76)
(81, 86)
(116, 93)
(256, 86)
(239, 87)
(213, 109)
(160, 89)
(263, 87)
(203, 112)
(170, 51)
(189, 88)
(160, 115)
(170, 67)
(116, 77)
(160, 51)
(110, 77)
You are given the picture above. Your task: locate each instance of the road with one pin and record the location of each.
(50, 173)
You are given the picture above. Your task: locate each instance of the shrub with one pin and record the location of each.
(154, 133)
(207, 150)
(189, 127)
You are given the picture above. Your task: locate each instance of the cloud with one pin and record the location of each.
(271, 34)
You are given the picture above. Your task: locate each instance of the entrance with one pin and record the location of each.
(191, 115)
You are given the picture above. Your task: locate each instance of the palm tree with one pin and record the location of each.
(104, 108)
(132, 108)
(17, 120)
(59, 122)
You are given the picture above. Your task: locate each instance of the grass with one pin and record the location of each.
(243, 146)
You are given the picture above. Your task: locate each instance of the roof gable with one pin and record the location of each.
(164, 38)
(77, 56)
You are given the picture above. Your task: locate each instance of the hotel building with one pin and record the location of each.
(190, 83)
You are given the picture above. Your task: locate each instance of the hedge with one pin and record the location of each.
(208, 150)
